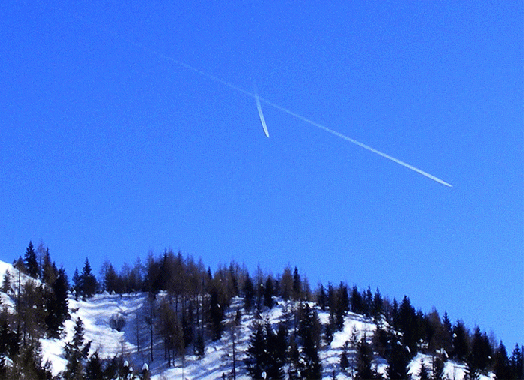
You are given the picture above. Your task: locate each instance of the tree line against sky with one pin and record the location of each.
(187, 307)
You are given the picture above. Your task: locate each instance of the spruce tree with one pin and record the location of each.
(460, 342)
(517, 363)
(398, 362)
(255, 361)
(89, 283)
(76, 352)
(249, 293)
(94, 369)
(309, 332)
(266, 353)
(57, 304)
(76, 287)
(297, 285)
(438, 368)
(268, 293)
(364, 370)
(501, 366)
(30, 261)
(321, 301)
(480, 355)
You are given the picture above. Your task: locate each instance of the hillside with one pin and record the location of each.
(116, 325)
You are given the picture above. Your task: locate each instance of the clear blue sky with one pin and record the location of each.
(109, 148)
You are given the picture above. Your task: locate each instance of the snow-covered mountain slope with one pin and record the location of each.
(117, 326)
(98, 313)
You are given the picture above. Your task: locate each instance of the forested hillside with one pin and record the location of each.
(171, 316)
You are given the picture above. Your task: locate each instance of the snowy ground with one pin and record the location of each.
(100, 313)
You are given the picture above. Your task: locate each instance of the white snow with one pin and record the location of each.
(100, 313)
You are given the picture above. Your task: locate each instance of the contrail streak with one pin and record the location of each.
(362, 145)
(260, 114)
(296, 115)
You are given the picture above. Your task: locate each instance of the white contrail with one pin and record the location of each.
(300, 117)
(362, 145)
(260, 114)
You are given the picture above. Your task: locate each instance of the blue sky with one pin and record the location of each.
(109, 148)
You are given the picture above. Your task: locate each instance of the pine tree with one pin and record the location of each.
(255, 361)
(438, 368)
(216, 315)
(199, 348)
(49, 271)
(297, 285)
(364, 370)
(57, 304)
(341, 305)
(30, 261)
(268, 293)
(377, 307)
(356, 301)
(309, 332)
(460, 342)
(408, 325)
(479, 357)
(249, 293)
(266, 352)
(398, 362)
(517, 362)
(501, 366)
(76, 287)
(76, 352)
(111, 279)
(94, 369)
(89, 283)
(322, 298)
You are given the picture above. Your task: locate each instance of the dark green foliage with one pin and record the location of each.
(382, 342)
(341, 305)
(517, 362)
(256, 354)
(112, 282)
(216, 315)
(438, 368)
(480, 355)
(49, 271)
(249, 293)
(377, 306)
(28, 365)
(423, 373)
(321, 301)
(30, 261)
(57, 304)
(407, 324)
(297, 285)
(88, 281)
(460, 342)
(76, 352)
(329, 330)
(268, 293)
(364, 368)
(398, 361)
(501, 366)
(344, 361)
(309, 333)
(94, 368)
(85, 284)
(356, 301)
(267, 352)
(199, 347)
